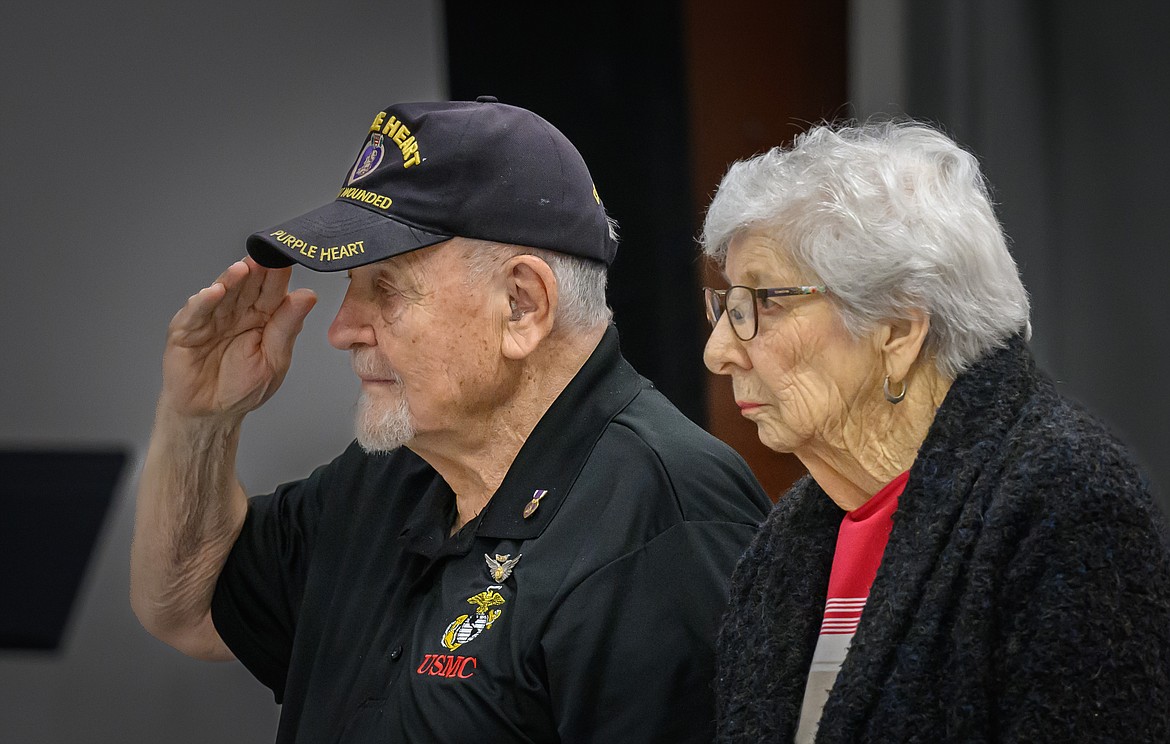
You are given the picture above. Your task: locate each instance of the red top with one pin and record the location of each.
(861, 541)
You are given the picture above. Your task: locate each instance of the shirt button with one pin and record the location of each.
(396, 653)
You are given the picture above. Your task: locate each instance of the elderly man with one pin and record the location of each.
(526, 543)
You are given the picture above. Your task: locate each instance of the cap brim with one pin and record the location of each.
(336, 237)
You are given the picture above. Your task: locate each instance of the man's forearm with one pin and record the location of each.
(190, 510)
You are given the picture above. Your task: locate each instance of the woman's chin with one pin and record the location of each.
(784, 442)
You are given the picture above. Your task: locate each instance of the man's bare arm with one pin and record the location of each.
(228, 349)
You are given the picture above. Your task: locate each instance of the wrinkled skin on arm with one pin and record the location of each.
(228, 350)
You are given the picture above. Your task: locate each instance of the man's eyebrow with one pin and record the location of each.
(387, 271)
(403, 277)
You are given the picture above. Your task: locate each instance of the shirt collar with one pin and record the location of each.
(549, 461)
(556, 450)
(426, 528)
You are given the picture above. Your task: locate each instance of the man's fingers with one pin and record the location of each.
(246, 290)
(252, 286)
(232, 274)
(216, 300)
(198, 309)
(233, 279)
(249, 294)
(274, 287)
(284, 325)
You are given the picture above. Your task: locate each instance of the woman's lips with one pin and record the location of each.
(746, 405)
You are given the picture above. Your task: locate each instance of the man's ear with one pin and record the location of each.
(901, 343)
(532, 304)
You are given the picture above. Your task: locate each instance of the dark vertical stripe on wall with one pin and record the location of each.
(660, 97)
(610, 75)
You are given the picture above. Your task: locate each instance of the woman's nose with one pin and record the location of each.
(724, 350)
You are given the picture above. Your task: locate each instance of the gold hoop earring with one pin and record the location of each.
(895, 399)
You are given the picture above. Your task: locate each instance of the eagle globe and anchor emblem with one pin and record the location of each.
(466, 628)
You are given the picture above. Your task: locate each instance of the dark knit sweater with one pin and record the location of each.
(1024, 594)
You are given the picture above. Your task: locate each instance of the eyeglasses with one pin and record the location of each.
(740, 303)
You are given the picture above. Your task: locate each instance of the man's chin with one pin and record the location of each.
(378, 448)
(382, 431)
(383, 441)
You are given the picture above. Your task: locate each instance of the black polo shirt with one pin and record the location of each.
(592, 619)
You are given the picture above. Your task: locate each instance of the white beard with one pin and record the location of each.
(382, 430)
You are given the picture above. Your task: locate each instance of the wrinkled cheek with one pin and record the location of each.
(790, 420)
(804, 399)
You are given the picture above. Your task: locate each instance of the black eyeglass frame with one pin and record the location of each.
(715, 302)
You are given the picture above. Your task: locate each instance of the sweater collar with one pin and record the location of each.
(964, 441)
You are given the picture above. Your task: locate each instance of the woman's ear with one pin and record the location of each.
(901, 344)
(532, 303)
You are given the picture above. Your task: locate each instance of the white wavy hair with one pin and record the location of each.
(891, 216)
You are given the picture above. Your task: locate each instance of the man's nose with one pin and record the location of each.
(351, 327)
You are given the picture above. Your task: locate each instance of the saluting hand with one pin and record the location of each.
(229, 348)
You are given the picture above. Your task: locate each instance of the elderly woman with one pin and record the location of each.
(971, 558)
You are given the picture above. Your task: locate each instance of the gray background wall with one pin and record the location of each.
(140, 143)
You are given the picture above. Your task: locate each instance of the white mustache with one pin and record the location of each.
(367, 363)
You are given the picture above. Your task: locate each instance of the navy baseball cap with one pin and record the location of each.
(428, 172)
